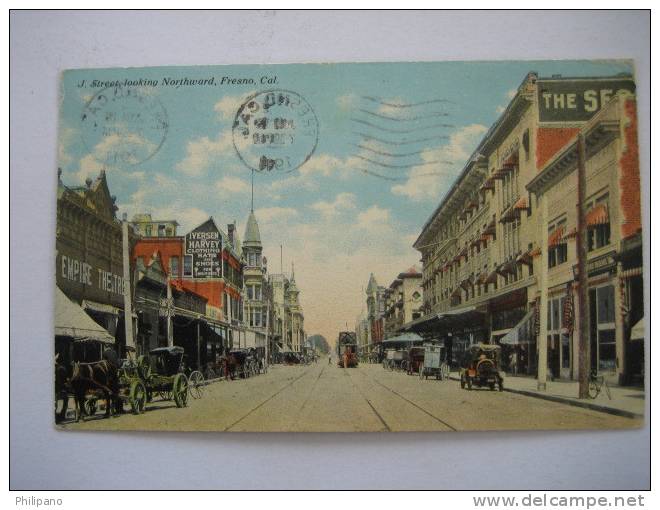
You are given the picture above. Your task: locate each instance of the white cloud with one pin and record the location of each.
(275, 214)
(228, 106)
(428, 182)
(510, 94)
(229, 184)
(203, 153)
(373, 217)
(343, 202)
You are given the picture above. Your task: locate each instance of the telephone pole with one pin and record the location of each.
(584, 340)
(128, 297)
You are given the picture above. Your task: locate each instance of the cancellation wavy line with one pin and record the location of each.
(366, 136)
(406, 105)
(398, 179)
(431, 115)
(386, 165)
(401, 131)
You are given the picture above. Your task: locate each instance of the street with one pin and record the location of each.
(325, 398)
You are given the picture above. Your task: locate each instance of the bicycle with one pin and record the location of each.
(596, 383)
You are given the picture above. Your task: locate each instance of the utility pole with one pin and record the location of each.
(128, 297)
(169, 312)
(584, 345)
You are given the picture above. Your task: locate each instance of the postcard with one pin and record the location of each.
(412, 246)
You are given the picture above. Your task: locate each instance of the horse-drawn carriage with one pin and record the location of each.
(395, 359)
(434, 363)
(481, 367)
(415, 360)
(347, 350)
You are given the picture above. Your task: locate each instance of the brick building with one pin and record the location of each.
(485, 244)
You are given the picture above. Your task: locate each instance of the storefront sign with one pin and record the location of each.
(81, 272)
(577, 100)
(204, 245)
(603, 264)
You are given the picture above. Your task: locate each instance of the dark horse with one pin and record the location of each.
(97, 377)
(61, 390)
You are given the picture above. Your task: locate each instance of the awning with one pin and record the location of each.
(406, 338)
(637, 331)
(597, 215)
(71, 320)
(521, 333)
(556, 237)
(101, 307)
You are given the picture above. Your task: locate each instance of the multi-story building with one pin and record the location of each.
(255, 282)
(208, 263)
(403, 301)
(482, 248)
(614, 256)
(89, 268)
(288, 319)
(375, 312)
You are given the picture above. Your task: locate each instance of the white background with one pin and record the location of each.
(44, 43)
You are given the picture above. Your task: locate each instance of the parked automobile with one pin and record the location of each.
(481, 367)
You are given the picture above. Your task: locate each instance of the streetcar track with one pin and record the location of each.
(267, 400)
(311, 391)
(410, 402)
(382, 420)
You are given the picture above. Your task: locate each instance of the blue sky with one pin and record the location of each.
(336, 222)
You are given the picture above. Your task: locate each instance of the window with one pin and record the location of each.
(174, 266)
(598, 235)
(161, 230)
(603, 338)
(148, 230)
(558, 251)
(187, 265)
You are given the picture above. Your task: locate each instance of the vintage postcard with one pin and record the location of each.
(437, 246)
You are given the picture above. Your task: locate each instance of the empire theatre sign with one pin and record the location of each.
(203, 249)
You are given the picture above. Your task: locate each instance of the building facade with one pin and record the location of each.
(287, 316)
(483, 246)
(375, 312)
(403, 301)
(255, 280)
(88, 260)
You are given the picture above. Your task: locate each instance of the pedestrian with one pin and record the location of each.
(513, 363)
(329, 359)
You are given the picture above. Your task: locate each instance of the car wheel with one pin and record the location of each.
(462, 383)
(469, 383)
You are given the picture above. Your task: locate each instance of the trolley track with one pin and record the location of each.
(258, 406)
(415, 405)
(375, 411)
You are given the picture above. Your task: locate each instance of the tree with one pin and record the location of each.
(319, 343)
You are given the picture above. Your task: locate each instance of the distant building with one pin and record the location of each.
(288, 319)
(148, 227)
(403, 301)
(375, 312)
(255, 282)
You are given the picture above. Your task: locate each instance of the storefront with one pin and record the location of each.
(89, 264)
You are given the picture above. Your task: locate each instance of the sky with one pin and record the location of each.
(387, 141)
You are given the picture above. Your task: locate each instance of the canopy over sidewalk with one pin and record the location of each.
(71, 320)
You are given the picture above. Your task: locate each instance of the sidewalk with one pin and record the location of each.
(626, 401)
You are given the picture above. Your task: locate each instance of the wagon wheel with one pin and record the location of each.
(469, 383)
(137, 397)
(180, 390)
(444, 371)
(501, 384)
(90, 406)
(462, 382)
(196, 384)
(144, 367)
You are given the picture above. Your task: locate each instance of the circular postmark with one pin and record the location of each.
(275, 130)
(123, 126)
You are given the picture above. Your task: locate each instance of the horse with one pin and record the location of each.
(62, 387)
(96, 376)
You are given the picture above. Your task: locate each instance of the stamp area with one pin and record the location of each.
(123, 126)
(275, 130)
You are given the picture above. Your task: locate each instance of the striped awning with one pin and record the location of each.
(491, 229)
(597, 215)
(556, 237)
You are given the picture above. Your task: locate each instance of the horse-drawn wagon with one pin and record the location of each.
(433, 363)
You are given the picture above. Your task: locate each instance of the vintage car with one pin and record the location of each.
(480, 367)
